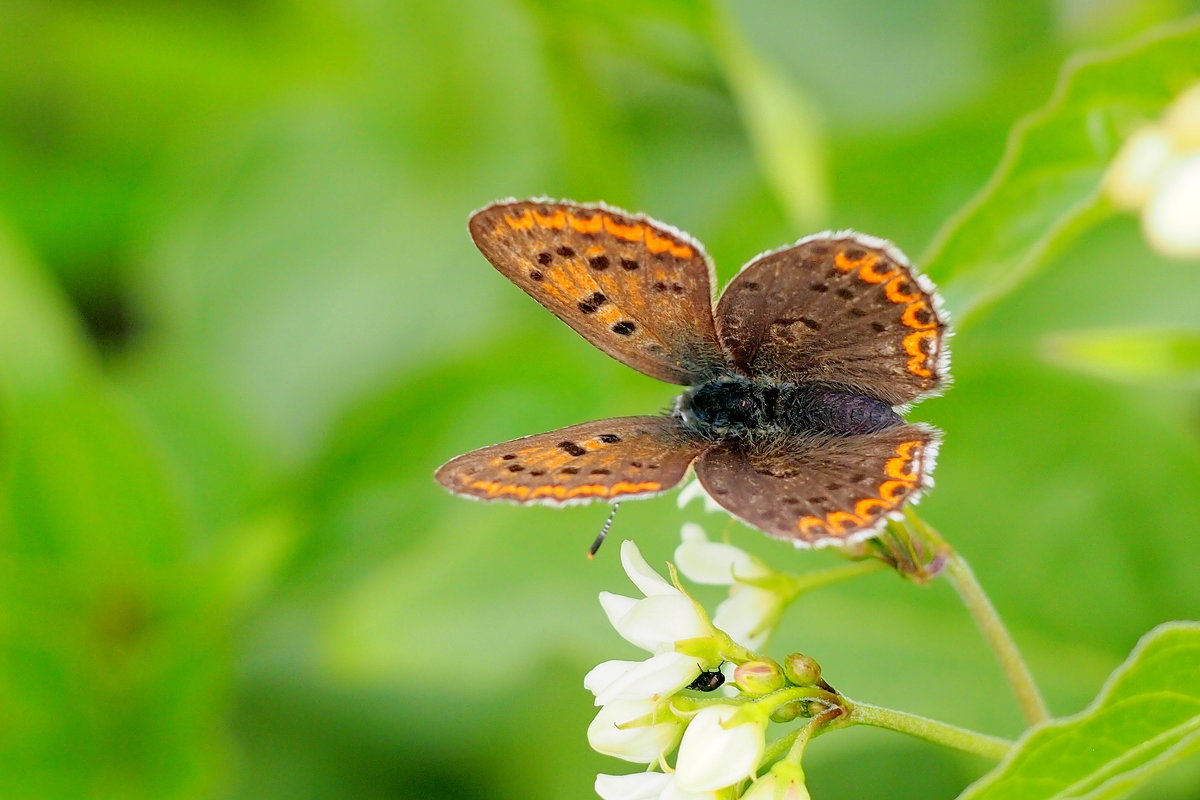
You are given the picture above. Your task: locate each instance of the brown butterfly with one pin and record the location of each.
(794, 379)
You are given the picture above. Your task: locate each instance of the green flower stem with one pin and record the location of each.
(963, 579)
(824, 577)
(930, 730)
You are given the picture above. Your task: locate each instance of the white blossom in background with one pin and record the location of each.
(695, 491)
(1157, 174)
(752, 610)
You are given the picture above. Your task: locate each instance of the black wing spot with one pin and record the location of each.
(572, 448)
(818, 500)
(537, 473)
(629, 264)
(570, 470)
(677, 288)
(811, 323)
(624, 327)
(820, 287)
(598, 263)
(515, 468)
(509, 456)
(789, 501)
(537, 276)
(565, 252)
(751, 286)
(602, 471)
(855, 254)
(609, 438)
(858, 312)
(833, 487)
(879, 327)
(635, 464)
(845, 293)
(544, 258)
(659, 286)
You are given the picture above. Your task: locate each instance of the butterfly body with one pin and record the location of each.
(795, 376)
(738, 408)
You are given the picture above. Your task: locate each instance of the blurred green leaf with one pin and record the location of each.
(1170, 357)
(1047, 186)
(784, 126)
(1146, 717)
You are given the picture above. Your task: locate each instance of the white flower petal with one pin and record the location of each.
(657, 622)
(749, 615)
(1171, 220)
(674, 791)
(603, 675)
(642, 744)
(712, 757)
(638, 786)
(658, 676)
(1131, 178)
(644, 578)
(708, 562)
(616, 606)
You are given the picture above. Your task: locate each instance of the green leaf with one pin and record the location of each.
(1047, 187)
(1146, 717)
(1130, 354)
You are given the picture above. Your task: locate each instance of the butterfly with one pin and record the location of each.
(795, 376)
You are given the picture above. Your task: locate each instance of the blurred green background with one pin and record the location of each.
(241, 322)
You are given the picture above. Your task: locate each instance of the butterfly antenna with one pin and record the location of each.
(603, 531)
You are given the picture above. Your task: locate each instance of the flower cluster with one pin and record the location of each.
(1157, 174)
(654, 707)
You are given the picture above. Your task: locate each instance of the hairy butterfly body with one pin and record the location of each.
(794, 377)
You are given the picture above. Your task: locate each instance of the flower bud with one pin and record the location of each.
(758, 678)
(801, 670)
(790, 711)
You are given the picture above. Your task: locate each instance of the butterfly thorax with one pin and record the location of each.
(736, 407)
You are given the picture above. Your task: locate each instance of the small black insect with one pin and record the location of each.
(708, 681)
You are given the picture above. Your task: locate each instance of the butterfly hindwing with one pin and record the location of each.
(608, 459)
(842, 309)
(817, 491)
(639, 290)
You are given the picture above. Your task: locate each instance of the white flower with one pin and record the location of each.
(647, 786)
(655, 622)
(695, 490)
(785, 781)
(659, 676)
(704, 561)
(1171, 220)
(642, 744)
(751, 612)
(1157, 172)
(712, 756)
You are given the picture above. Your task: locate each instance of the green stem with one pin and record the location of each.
(987, 619)
(930, 730)
(824, 577)
(959, 573)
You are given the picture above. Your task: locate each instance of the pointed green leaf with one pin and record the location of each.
(1146, 717)
(1047, 187)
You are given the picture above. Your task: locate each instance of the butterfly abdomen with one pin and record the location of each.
(814, 409)
(735, 407)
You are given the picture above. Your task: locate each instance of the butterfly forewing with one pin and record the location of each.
(818, 491)
(608, 459)
(639, 290)
(843, 309)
